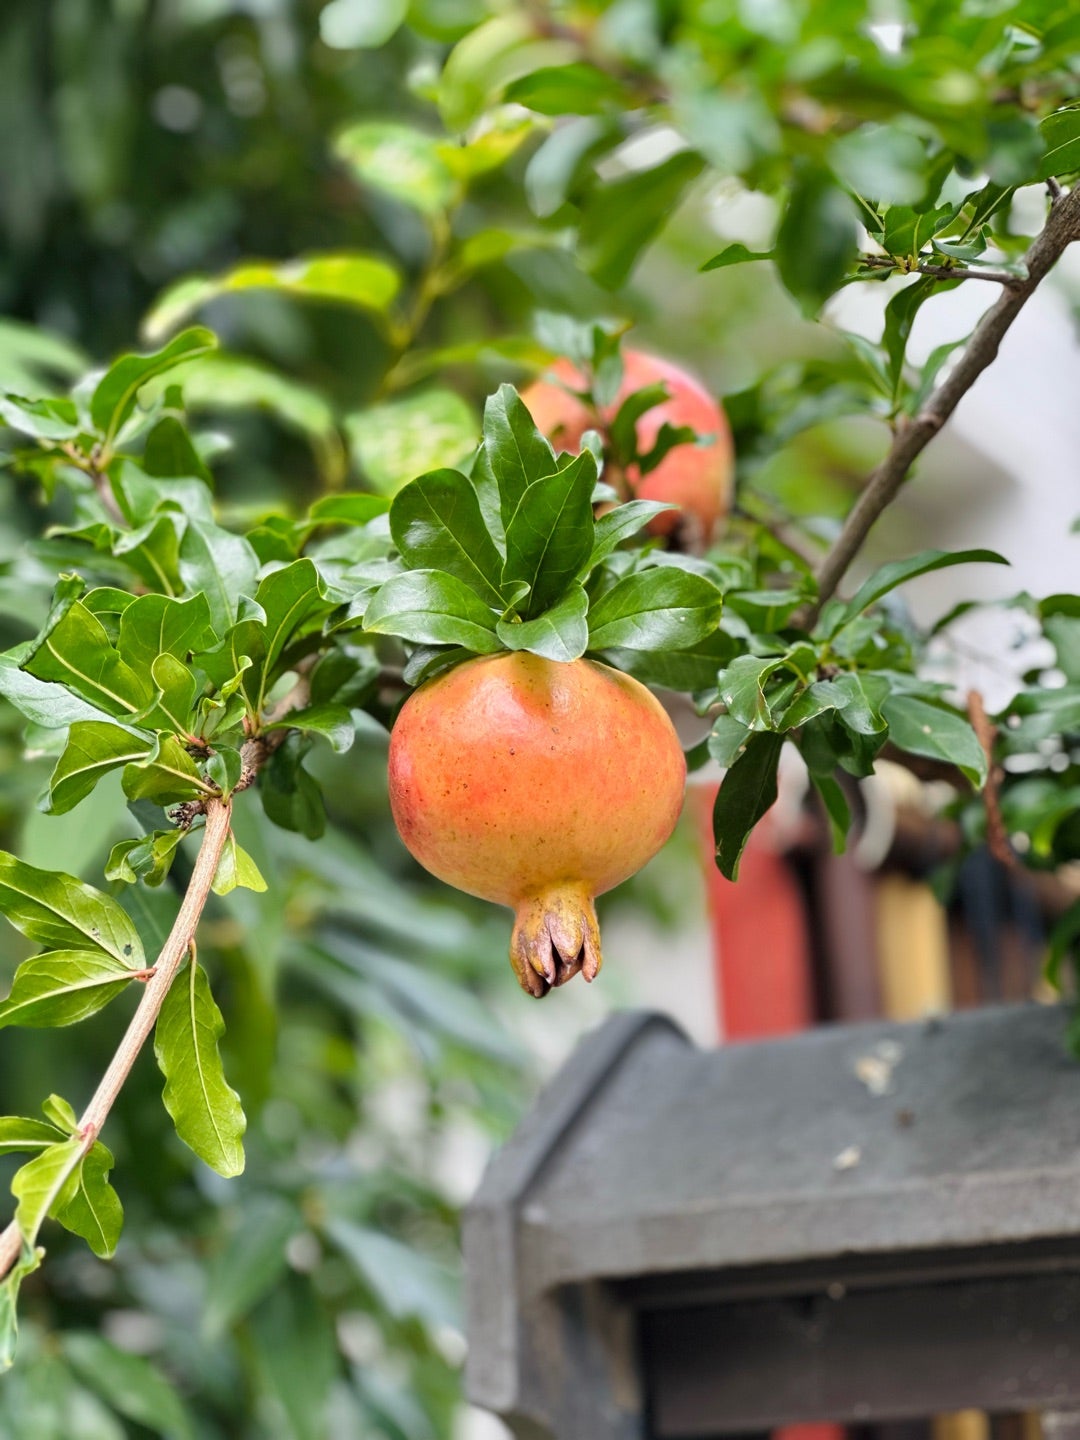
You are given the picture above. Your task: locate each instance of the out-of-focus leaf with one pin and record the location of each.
(1061, 135)
(817, 239)
(251, 1263)
(205, 1110)
(394, 442)
(924, 729)
(399, 160)
(360, 24)
(403, 1281)
(129, 1383)
(736, 254)
(43, 419)
(367, 282)
(619, 219)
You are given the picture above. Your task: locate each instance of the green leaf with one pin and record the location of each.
(129, 1383)
(352, 509)
(578, 88)
(883, 162)
(349, 278)
(899, 317)
(45, 703)
(290, 599)
(61, 987)
(252, 1263)
(694, 667)
(26, 1264)
(436, 524)
(236, 868)
(404, 1282)
(400, 161)
(515, 455)
(747, 792)
(174, 697)
(924, 729)
(334, 722)
(549, 537)
(47, 1181)
(896, 572)
(147, 858)
(95, 1211)
(167, 775)
(205, 1110)
(43, 419)
(662, 607)
(617, 525)
(560, 633)
(74, 650)
(360, 24)
(620, 218)
(93, 749)
(115, 393)
(817, 241)
(17, 1133)
(221, 565)
(836, 808)
(432, 608)
(170, 455)
(727, 740)
(290, 796)
(741, 688)
(156, 625)
(1061, 135)
(736, 254)
(397, 440)
(62, 913)
(862, 694)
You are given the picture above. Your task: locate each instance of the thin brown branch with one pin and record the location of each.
(942, 272)
(997, 835)
(914, 434)
(169, 961)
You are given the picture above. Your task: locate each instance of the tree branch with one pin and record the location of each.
(943, 272)
(914, 434)
(169, 961)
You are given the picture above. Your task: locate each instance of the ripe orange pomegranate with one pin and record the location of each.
(696, 478)
(537, 785)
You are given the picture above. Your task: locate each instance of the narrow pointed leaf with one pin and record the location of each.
(896, 572)
(549, 536)
(747, 792)
(653, 609)
(93, 749)
(75, 651)
(515, 452)
(46, 1181)
(436, 524)
(205, 1110)
(114, 397)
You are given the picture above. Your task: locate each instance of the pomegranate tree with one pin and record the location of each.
(526, 768)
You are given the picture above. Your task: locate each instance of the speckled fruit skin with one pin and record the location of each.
(537, 785)
(697, 479)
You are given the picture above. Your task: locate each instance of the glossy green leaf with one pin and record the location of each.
(549, 535)
(129, 1383)
(617, 525)
(397, 440)
(291, 599)
(747, 792)
(219, 564)
(333, 722)
(694, 667)
(436, 524)
(924, 729)
(167, 775)
(205, 1110)
(1061, 136)
(514, 455)
(62, 913)
(169, 453)
(896, 572)
(727, 740)
(653, 609)
(115, 394)
(48, 1181)
(18, 1134)
(741, 688)
(174, 697)
(349, 278)
(147, 858)
(560, 633)
(290, 795)
(45, 703)
(400, 161)
(62, 987)
(836, 808)
(432, 608)
(27, 1263)
(94, 1210)
(74, 650)
(156, 625)
(93, 749)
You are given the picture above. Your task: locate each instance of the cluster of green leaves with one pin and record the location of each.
(510, 557)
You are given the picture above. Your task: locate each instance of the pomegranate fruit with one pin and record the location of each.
(696, 478)
(536, 784)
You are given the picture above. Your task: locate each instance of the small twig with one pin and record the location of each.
(1054, 190)
(913, 435)
(997, 836)
(172, 956)
(942, 272)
